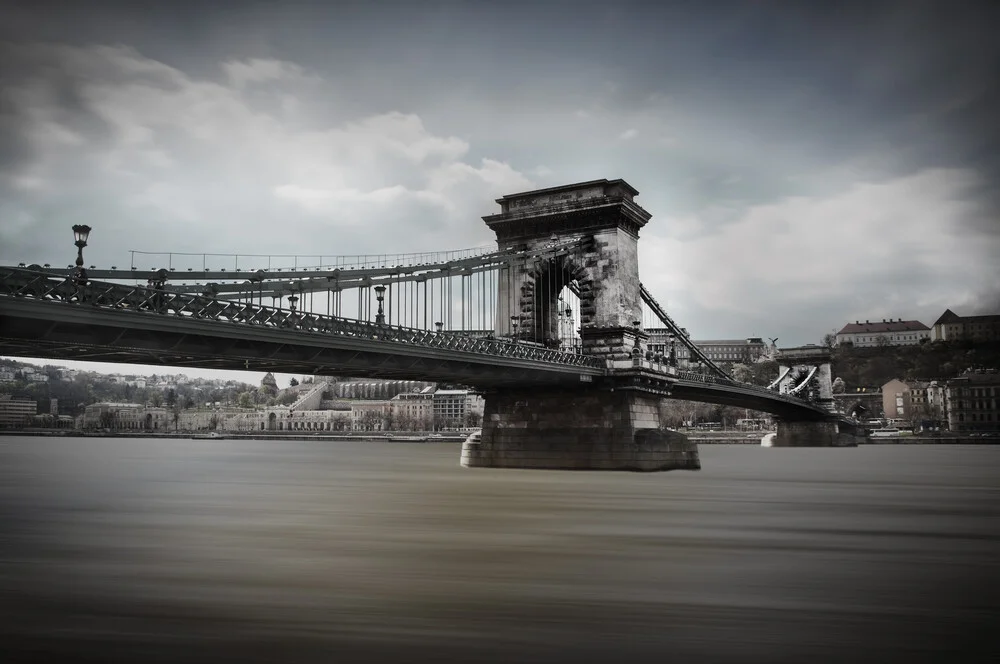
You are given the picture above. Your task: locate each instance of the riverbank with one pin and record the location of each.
(702, 438)
(396, 437)
(741, 438)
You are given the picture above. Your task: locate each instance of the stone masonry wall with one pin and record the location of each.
(610, 298)
(577, 429)
(813, 434)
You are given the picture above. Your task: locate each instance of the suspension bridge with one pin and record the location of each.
(552, 325)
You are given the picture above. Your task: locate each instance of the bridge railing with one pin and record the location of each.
(23, 283)
(717, 380)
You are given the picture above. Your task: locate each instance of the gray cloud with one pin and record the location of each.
(806, 163)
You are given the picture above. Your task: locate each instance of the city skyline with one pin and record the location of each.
(804, 165)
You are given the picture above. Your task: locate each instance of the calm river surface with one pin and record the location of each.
(287, 551)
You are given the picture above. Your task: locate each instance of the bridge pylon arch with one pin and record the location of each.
(592, 229)
(806, 371)
(604, 219)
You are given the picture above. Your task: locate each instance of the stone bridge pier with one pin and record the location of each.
(592, 426)
(805, 371)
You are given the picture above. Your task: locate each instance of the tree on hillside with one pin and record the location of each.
(762, 373)
(742, 373)
(829, 339)
(245, 400)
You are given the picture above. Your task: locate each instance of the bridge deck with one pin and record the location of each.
(49, 317)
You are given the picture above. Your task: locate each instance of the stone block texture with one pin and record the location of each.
(813, 434)
(604, 217)
(577, 430)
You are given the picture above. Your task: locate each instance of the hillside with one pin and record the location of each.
(74, 389)
(860, 367)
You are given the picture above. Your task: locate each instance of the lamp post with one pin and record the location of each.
(380, 296)
(258, 278)
(81, 232)
(514, 322)
(673, 354)
(636, 350)
(159, 279)
(292, 299)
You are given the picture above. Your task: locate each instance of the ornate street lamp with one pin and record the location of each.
(673, 353)
(81, 232)
(292, 299)
(380, 296)
(514, 322)
(160, 279)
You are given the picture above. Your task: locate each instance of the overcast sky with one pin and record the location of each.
(806, 163)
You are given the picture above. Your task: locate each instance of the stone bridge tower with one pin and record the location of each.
(805, 372)
(605, 425)
(604, 214)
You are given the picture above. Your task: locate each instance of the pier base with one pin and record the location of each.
(814, 434)
(577, 430)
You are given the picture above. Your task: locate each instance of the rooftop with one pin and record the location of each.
(950, 316)
(590, 184)
(978, 377)
(898, 325)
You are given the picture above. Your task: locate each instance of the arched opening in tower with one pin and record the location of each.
(554, 319)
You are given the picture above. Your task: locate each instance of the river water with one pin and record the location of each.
(303, 551)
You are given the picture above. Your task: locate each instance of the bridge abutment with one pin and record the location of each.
(577, 430)
(815, 434)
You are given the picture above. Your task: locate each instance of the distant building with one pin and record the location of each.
(913, 400)
(972, 402)
(746, 351)
(16, 412)
(316, 420)
(413, 411)
(126, 417)
(897, 332)
(372, 388)
(369, 415)
(950, 327)
(454, 409)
